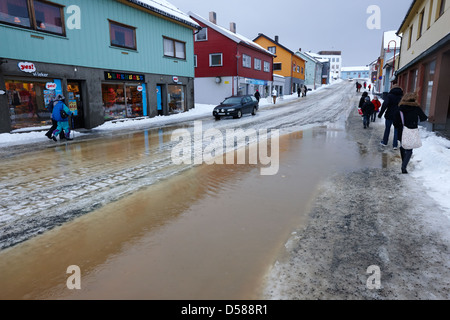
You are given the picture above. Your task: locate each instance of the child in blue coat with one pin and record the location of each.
(61, 114)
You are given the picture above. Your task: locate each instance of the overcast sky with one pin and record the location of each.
(312, 25)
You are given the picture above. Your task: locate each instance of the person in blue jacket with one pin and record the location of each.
(61, 114)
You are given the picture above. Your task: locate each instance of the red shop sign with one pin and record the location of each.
(27, 67)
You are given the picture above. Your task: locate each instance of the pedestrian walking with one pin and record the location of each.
(299, 91)
(408, 115)
(305, 90)
(357, 86)
(362, 99)
(257, 95)
(54, 122)
(377, 104)
(365, 85)
(61, 114)
(274, 95)
(370, 86)
(367, 110)
(389, 108)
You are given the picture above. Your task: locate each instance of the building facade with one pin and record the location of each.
(424, 65)
(389, 53)
(313, 70)
(227, 63)
(335, 59)
(286, 63)
(110, 59)
(361, 72)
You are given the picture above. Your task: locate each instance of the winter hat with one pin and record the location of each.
(59, 97)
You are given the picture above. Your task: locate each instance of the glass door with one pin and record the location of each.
(75, 103)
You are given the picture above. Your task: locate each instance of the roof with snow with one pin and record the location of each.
(351, 69)
(167, 10)
(389, 36)
(229, 34)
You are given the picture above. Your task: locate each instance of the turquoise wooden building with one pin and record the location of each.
(111, 59)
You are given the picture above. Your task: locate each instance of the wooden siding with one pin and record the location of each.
(90, 45)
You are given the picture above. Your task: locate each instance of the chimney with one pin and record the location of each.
(213, 17)
(276, 39)
(300, 49)
(233, 27)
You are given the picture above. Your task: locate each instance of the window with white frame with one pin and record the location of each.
(257, 64)
(215, 60)
(246, 61)
(266, 66)
(202, 35)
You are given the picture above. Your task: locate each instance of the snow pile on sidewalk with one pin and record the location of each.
(432, 166)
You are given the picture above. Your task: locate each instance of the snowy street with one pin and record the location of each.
(139, 226)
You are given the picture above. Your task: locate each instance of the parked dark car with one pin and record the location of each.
(236, 106)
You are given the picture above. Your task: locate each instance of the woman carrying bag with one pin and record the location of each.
(406, 121)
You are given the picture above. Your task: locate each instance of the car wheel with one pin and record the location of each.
(254, 112)
(239, 114)
(217, 117)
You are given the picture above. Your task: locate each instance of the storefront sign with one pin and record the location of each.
(124, 76)
(27, 67)
(139, 88)
(50, 86)
(175, 79)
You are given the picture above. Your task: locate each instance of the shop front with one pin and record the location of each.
(124, 96)
(176, 98)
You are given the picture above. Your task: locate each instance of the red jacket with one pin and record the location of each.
(377, 104)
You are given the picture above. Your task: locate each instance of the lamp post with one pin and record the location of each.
(395, 50)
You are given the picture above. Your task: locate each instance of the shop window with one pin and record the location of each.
(27, 103)
(176, 98)
(122, 35)
(174, 48)
(122, 101)
(48, 17)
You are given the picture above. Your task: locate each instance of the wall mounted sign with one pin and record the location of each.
(140, 88)
(175, 79)
(27, 67)
(50, 86)
(124, 76)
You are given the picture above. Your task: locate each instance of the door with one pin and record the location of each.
(75, 103)
(159, 100)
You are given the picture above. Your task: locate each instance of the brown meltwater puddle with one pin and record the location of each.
(211, 232)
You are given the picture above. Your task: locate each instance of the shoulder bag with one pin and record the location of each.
(410, 137)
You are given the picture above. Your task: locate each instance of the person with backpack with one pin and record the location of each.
(54, 122)
(367, 109)
(389, 108)
(61, 114)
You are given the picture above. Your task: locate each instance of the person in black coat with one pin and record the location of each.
(412, 114)
(367, 109)
(363, 99)
(389, 108)
(257, 95)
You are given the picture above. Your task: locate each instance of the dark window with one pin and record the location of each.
(122, 35)
(441, 8)
(202, 35)
(272, 49)
(277, 66)
(48, 17)
(15, 12)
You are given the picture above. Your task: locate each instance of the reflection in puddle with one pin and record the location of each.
(208, 233)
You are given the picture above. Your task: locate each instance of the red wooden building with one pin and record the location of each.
(227, 63)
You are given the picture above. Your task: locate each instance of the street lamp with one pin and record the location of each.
(395, 50)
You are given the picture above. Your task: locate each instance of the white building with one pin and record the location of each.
(335, 58)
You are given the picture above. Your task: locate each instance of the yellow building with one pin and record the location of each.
(424, 65)
(286, 63)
